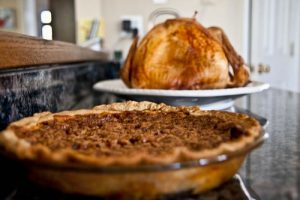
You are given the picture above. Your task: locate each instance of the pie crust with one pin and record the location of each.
(150, 183)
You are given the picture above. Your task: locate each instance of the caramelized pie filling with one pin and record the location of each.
(126, 133)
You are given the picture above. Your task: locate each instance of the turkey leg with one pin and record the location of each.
(240, 76)
(127, 67)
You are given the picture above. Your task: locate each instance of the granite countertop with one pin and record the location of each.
(272, 171)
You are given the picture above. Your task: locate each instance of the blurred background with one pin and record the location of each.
(265, 32)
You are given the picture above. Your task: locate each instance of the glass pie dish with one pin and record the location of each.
(234, 189)
(136, 182)
(142, 172)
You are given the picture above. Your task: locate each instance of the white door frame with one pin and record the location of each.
(247, 34)
(297, 50)
(247, 31)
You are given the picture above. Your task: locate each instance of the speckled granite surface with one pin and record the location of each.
(27, 91)
(272, 172)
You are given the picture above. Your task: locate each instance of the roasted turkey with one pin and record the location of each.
(181, 54)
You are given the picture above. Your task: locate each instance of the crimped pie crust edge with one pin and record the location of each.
(25, 151)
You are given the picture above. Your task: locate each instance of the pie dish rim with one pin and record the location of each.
(72, 160)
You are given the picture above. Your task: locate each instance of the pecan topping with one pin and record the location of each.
(130, 132)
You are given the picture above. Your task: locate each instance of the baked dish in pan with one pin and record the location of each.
(132, 149)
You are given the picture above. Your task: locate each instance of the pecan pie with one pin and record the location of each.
(128, 136)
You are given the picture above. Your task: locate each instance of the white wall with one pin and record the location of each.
(88, 9)
(30, 18)
(227, 14)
